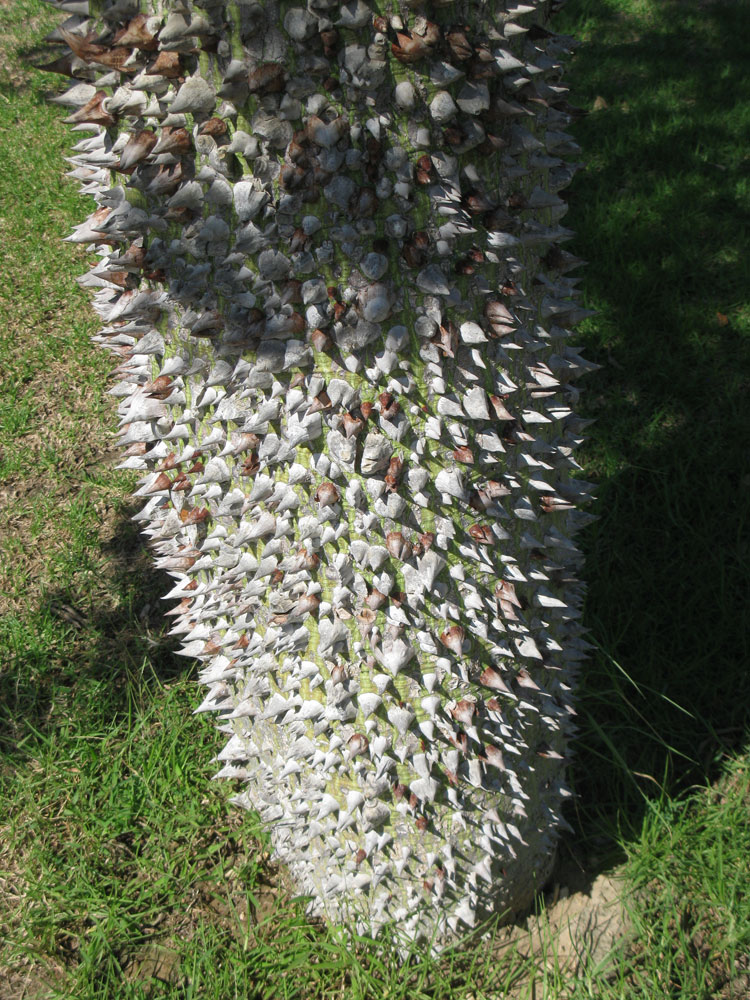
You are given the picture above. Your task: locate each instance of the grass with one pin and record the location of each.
(662, 210)
(123, 871)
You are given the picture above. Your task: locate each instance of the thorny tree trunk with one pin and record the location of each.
(330, 266)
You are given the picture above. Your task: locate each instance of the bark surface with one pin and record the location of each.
(331, 271)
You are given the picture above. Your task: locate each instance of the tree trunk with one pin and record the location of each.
(330, 267)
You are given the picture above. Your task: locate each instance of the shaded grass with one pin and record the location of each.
(123, 872)
(662, 214)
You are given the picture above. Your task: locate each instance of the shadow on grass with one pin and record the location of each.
(88, 660)
(662, 213)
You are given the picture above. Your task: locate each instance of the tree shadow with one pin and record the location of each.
(662, 213)
(86, 664)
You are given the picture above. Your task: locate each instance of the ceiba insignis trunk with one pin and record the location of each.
(331, 269)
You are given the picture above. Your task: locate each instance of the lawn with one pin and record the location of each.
(125, 873)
